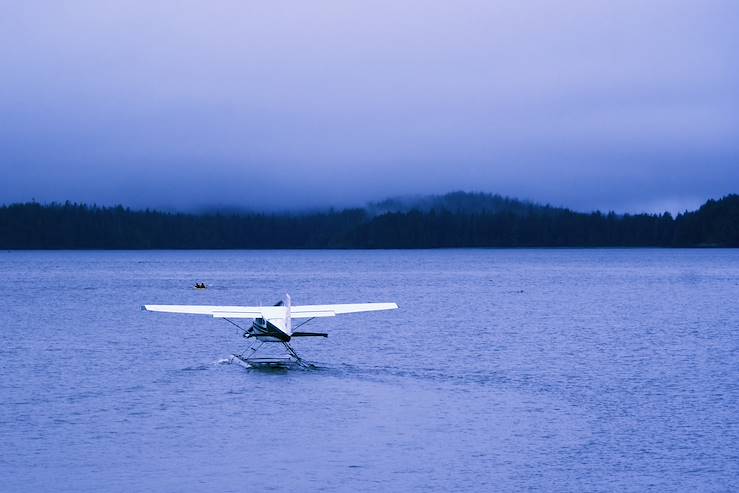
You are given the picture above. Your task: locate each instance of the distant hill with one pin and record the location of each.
(457, 202)
(715, 223)
(457, 219)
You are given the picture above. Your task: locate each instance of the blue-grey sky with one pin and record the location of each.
(621, 105)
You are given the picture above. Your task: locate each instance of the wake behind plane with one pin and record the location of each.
(272, 324)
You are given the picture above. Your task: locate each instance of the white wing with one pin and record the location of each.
(271, 312)
(307, 311)
(266, 312)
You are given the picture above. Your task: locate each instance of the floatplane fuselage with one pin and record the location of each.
(265, 331)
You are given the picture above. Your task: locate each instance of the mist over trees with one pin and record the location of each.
(457, 219)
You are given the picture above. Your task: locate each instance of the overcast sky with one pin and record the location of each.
(622, 105)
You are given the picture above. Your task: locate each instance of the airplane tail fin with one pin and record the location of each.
(288, 320)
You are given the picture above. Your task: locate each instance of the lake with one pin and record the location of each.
(545, 369)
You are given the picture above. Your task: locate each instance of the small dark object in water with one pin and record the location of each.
(200, 285)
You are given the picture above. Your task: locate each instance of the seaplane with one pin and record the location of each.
(271, 324)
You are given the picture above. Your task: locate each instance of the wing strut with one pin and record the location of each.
(236, 325)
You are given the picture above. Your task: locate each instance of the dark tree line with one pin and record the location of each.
(505, 223)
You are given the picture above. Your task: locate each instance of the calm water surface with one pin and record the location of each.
(596, 370)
